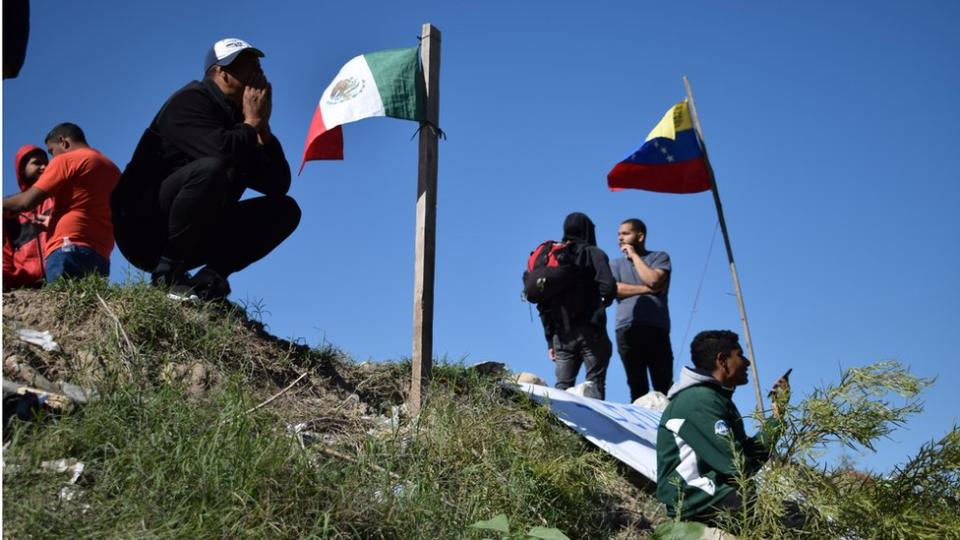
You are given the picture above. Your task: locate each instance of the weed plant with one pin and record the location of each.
(797, 496)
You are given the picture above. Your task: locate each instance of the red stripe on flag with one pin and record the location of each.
(683, 177)
(322, 143)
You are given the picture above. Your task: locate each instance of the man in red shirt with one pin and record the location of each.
(80, 180)
(25, 234)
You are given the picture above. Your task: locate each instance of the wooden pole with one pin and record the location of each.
(426, 233)
(726, 241)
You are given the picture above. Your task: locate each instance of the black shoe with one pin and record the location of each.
(209, 285)
(169, 273)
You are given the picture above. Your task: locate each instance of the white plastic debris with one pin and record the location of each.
(653, 400)
(70, 465)
(41, 338)
(397, 491)
(586, 389)
(304, 436)
(529, 378)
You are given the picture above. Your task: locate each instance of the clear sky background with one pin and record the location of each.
(832, 128)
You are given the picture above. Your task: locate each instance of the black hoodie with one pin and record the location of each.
(198, 121)
(586, 303)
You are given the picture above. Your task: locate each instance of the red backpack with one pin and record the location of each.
(550, 271)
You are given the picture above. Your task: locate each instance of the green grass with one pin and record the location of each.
(160, 464)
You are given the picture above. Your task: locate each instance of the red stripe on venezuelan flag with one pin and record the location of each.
(669, 161)
(678, 177)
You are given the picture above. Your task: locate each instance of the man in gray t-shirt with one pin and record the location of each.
(643, 320)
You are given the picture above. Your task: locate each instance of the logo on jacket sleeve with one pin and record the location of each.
(721, 429)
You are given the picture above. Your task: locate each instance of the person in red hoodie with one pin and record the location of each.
(25, 234)
(79, 180)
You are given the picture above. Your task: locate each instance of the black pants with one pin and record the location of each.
(197, 217)
(586, 344)
(642, 349)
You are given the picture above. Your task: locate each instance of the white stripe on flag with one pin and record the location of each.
(351, 96)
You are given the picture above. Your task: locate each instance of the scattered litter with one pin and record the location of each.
(65, 465)
(529, 378)
(41, 338)
(69, 492)
(77, 393)
(382, 421)
(24, 399)
(309, 438)
(586, 389)
(397, 490)
(303, 436)
(13, 368)
(653, 400)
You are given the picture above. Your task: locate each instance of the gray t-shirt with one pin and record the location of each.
(642, 309)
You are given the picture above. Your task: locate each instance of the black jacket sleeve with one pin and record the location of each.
(270, 171)
(603, 276)
(197, 126)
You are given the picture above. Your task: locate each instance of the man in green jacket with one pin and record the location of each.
(701, 435)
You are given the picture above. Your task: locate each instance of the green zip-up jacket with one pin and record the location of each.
(700, 433)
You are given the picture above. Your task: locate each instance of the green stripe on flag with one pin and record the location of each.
(397, 74)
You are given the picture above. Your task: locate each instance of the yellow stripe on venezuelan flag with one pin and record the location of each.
(676, 119)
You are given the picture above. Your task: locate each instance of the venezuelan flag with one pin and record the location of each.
(669, 161)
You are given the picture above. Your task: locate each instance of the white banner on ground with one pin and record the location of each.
(627, 432)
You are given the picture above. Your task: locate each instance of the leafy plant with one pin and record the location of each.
(501, 524)
(797, 496)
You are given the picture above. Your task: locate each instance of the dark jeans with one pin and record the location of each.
(588, 345)
(75, 262)
(197, 217)
(644, 348)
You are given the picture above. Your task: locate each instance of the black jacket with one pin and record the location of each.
(586, 303)
(199, 121)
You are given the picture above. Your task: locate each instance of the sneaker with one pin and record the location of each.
(183, 293)
(169, 273)
(209, 285)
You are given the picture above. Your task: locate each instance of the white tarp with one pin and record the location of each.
(627, 432)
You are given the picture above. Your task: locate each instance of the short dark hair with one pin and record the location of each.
(708, 344)
(66, 130)
(637, 225)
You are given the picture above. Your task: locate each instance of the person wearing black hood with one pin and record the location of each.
(575, 321)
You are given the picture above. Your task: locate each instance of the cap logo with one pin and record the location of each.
(721, 429)
(234, 44)
(345, 90)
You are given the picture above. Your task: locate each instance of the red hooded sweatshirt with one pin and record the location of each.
(25, 236)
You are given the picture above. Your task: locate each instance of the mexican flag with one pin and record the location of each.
(384, 83)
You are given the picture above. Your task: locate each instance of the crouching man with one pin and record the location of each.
(701, 435)
(179, 203)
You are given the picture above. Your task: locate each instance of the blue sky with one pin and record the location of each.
(831, 127)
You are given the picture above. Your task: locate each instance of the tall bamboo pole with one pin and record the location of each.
(726, 241)
(426, 229)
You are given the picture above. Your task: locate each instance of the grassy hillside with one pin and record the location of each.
(199, 424)
(185, 441)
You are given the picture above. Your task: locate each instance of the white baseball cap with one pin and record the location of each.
(226, 50)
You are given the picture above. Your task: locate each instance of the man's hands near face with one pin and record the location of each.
(258, 105)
